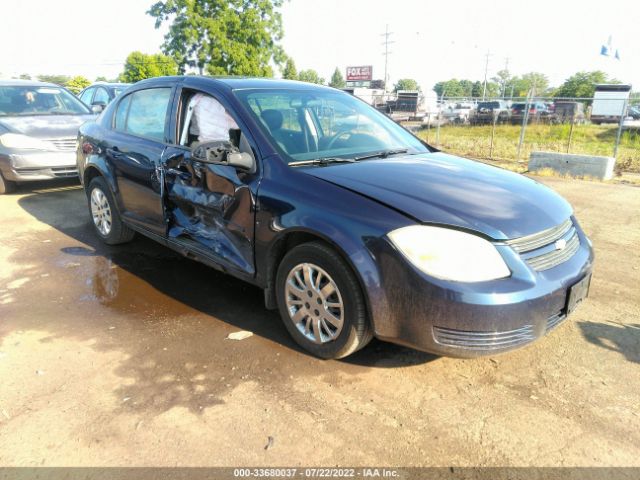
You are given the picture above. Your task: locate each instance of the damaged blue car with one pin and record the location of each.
(352, 226)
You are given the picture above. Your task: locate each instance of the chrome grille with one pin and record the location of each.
(483, 340)
(541, 251)
(555, 257)
(540, 239)
(64, 144)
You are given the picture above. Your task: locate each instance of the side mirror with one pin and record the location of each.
(98, 107)
(224, 153)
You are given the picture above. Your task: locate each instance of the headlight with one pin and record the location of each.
(23, 142)
(450, 254)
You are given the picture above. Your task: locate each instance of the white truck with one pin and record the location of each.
(609, 103)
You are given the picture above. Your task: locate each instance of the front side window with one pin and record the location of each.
(37, 100)
(101, 96)
(307, 125)
(143, 113)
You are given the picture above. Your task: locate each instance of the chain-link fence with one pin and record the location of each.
(507, 130)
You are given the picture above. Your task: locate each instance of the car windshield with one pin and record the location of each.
(39, 100)
(307, 125)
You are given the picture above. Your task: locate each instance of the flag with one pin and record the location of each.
(607, 50)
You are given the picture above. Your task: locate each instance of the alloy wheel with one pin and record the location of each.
(101, 211)
(314, 303)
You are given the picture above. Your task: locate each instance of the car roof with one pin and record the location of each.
(110, 84)
(26, 83)
(237, 83)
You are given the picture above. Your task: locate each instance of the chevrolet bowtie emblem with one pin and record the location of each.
(561, 244)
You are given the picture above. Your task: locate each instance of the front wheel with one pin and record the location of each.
(321, 302)
(6, 186)
(105, 215)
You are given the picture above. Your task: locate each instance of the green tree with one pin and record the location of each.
(407, 84)
(101, 79)
(477, 89)
(337, 80)
(139, 66)
(535, 82)
(77, 84)
(222, 37)
(310, 76)
(57, 79)
(582, 84)
(502, 78)
(290, 72)
(454, 88)
(25, 76)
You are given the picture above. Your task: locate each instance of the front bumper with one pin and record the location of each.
(470, 320)
(31, 166)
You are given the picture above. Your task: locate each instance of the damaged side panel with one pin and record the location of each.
(210, 207)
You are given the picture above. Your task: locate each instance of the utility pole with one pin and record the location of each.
(486, 69)
(504, 81)
(387, 34)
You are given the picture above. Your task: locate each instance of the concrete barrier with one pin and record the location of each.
(574, 165)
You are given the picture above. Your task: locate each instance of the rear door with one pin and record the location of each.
(134, 151)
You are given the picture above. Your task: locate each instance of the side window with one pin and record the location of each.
(121, 113)
(147, 113)
(101, 96)
(206, 120)
(86, 96)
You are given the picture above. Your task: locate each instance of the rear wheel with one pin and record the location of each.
(104, 214)
(321, 303)
(6, 186)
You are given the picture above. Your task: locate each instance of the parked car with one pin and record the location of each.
(487, 112)
(538, 112)
(100, 94)
(38, 129)
(353, 230)
(568, 112)
(634, 112)
(458, 112)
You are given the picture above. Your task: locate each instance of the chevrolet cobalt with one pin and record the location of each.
(353, 227)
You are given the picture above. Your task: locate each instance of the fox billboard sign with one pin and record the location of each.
(360, 74)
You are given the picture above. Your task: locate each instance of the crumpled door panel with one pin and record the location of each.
(210, 205)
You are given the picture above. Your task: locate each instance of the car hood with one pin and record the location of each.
(437, 188)
(45, 126)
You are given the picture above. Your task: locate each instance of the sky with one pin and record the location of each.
(432, 40)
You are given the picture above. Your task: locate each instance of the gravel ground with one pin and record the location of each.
(117, 356)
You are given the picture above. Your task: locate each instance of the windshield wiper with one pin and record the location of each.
(383, 154)
(322, 161)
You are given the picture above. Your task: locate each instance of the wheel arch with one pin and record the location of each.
(290, 239)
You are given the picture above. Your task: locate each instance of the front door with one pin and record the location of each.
(211, 208)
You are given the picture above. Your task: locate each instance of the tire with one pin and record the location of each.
(104, 214)
(326, 340)
(6, 186)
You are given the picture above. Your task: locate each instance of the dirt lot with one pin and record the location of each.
(118, 356)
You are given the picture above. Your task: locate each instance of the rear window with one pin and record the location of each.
(489, 105)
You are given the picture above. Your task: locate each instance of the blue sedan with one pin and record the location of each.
(353, 227)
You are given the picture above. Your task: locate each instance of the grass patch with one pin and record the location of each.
(475, 142)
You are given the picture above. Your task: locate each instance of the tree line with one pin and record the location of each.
(578, 85)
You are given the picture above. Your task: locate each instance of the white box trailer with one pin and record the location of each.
(609, 103)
